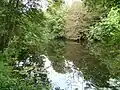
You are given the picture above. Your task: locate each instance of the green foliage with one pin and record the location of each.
(13, 80)
(24, 30)
(108, 29)
(106, 4)
(107, 32)
(104, 36)
(55, 21)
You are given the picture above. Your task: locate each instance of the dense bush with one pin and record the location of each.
(108, 30)
(25, 30)
(105, 37)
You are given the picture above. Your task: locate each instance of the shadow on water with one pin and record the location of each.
(67, 66)
(92, 68)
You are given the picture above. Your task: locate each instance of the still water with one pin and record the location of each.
(72, 79)
(73, 67)
(62, 72)
(69, 66)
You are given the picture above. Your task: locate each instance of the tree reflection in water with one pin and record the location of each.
(90, 65)
(66, 66)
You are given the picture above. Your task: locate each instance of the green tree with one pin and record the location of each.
(24, 30)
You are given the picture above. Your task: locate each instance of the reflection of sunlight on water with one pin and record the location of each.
(68, 81)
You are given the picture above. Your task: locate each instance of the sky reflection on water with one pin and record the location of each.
(71, 80)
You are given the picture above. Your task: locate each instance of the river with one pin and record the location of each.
(76, 68)
(70, 65)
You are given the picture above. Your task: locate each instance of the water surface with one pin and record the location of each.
(68, 66)
(85, 66)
